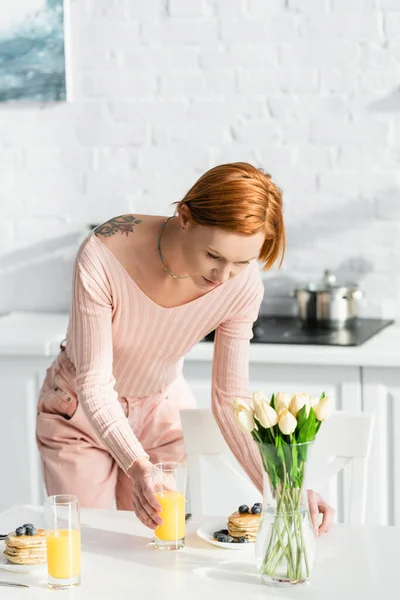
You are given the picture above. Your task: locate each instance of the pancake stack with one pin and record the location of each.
(26, 549)
(244, 525)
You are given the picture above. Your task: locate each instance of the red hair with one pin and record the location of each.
(239, 198)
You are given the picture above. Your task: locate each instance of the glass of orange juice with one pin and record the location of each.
(63, 541)
(170, 481)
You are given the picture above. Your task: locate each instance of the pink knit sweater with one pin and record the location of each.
(124, 344)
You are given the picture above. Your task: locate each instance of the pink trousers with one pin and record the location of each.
(73, 459)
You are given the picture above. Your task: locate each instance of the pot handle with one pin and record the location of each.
(356, 295)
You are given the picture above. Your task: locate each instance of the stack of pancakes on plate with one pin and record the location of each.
(26, 549)
(244, 525)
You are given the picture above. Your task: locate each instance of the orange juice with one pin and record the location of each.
(172, 514)
(63, 553)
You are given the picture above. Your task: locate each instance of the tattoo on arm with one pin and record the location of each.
(123, 224)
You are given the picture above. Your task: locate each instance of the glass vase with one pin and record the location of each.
(286, 543)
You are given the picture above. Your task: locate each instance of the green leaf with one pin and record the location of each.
(322, 395)
(273, 476)
(301, 417)
(308, 430)
(307, 434)
(294, 467)
(271, 462)
(265, 433)
(269, 455)
(280, 442)
(272, 403)
(303, 451)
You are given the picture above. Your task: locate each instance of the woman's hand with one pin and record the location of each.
(144, 500)
(319, 506)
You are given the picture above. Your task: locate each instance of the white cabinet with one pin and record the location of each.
(198, 375)
(20, 472)
(381, 396)
(342, 383)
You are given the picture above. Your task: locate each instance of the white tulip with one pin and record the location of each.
(264, 412)
(259, 397)
(244, 415)
(282, 400)
(314, 400)
(324, 408)
(297, 402)
(239, 404)
(245, 421)
(287, 423)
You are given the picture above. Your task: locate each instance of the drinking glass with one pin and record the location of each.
(169, 481)
(63, 541)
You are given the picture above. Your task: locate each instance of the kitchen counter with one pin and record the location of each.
(382, 350)
(40, 334)
(119, 561)
(32, 334)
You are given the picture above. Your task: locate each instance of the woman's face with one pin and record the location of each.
(214, 255)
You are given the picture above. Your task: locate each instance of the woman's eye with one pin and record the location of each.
(212, 255)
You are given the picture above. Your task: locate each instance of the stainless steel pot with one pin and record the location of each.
(327, 304)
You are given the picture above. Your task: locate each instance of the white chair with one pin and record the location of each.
(345, 438)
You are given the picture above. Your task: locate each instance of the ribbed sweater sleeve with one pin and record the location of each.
(91, 332)
(230, 380)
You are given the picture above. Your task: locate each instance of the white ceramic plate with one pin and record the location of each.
(205, 532)
(6, 565)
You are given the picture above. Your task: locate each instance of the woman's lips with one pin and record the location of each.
(210, 283)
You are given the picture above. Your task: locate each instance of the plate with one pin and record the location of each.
(6, 565)
(205, 532)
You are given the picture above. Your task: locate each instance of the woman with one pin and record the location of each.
(145, 290)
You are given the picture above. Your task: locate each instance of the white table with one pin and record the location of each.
(120, 563)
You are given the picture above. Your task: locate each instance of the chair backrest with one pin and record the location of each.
(344, 438)
(217, 483)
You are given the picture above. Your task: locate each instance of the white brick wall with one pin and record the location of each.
(164, 89)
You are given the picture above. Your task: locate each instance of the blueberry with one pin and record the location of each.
(28, 525)
(256, 510)
(220, 532)
(241, 540)
(31, 530)
(216, 533)
(227, 539)
(243, 509)
(20, 531)
(220, 537)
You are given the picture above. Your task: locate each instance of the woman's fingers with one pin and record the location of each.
(318, 506)
(314, 512)
(144, 499)
(142, 508)
(148, 492)
(328, 514)
(145, 518)
(144, 504)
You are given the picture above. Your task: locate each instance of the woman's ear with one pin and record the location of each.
(183, 217)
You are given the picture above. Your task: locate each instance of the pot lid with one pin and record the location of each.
(328, 283)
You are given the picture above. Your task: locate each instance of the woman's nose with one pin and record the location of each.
(223, 274)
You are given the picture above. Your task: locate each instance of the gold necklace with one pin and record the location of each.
(160, 255)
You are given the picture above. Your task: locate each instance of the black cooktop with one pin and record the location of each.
(288, 330)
